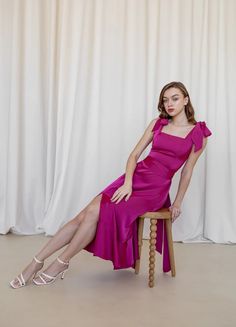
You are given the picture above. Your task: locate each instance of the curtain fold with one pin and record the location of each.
(79, 83)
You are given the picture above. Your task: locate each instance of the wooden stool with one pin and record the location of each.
(154, 216)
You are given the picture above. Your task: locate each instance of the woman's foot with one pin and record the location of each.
(30, 271)
(56, 268)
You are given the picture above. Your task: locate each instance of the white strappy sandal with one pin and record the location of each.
(52, 278)
(20, 278)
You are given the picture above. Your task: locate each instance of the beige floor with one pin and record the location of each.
(203, 293)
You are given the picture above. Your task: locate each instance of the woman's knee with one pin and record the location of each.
(91, 214)
(78, 219)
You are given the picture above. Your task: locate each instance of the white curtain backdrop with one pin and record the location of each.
(79, 83)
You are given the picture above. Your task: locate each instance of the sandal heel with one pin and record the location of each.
(63, 274)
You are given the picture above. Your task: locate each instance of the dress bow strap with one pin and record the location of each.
(200, 131)
(159, 124)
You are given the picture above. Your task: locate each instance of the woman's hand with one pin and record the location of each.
(124, 190)
(175, 211)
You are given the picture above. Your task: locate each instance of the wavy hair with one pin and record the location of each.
(189, 110)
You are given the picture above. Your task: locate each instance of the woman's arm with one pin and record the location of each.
(185, 178)
(126, 188)
(137, 151)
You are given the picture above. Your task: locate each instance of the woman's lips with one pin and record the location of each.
(170, 110)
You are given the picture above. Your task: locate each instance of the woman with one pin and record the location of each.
(107, 226)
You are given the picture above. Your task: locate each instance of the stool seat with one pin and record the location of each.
(164, 214)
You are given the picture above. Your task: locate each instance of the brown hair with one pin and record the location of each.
(189, 111)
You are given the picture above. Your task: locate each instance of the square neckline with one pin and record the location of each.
(183, 138)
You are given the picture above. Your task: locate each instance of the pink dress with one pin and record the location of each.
(116, 234)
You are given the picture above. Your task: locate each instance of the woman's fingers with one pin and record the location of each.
(175, 212)
(128, 196)
(124, 190)
(115, 195)
(119, 196)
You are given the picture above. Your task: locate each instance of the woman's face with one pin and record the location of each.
(174, 101)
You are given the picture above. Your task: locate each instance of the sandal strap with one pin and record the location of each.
(37, 260)
(48, 276)
(64, 263)
(42, 279)
(21, 280)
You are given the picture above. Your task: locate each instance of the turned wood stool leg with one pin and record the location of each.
(170, 246)
(152, 246)
(140, 243)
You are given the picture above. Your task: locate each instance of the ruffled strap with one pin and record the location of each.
(200, 131)
(158, 125)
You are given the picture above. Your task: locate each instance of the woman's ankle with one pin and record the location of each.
(63, 259)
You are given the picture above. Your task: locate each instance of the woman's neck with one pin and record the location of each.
(180, 120)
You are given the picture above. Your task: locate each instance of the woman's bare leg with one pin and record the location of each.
(82, 237)
(59, 240)
(67, 232)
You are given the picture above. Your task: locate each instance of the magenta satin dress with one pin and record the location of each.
(116, 236)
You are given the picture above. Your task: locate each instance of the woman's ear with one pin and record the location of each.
(186, 100)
